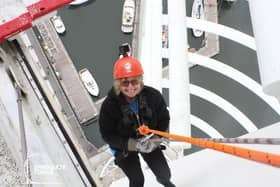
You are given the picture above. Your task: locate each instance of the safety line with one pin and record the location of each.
(259, 156)
(273, 141)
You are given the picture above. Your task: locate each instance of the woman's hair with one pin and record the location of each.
(117, 84)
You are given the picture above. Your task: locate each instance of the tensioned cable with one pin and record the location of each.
(274, 141)
(258, 156)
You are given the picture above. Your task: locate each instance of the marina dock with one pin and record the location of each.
(66, 72)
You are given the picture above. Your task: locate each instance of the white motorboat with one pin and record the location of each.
(128, 15)
(89, 82)
(198, 13)
(58, 24)
(78, 2)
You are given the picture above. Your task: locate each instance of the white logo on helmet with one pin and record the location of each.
(127, 67)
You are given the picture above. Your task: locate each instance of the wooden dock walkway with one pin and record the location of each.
(68, 76)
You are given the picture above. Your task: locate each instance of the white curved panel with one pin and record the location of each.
(222, 30)
(236, 75)
(225, 105)
(205, 127)
(219, 29)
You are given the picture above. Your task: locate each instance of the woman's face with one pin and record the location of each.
(130, 87)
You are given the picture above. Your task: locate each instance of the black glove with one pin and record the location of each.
(139, 145)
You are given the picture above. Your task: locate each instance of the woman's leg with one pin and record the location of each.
(132, 169)
(159, 166)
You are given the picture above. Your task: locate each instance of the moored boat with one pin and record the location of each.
(198, 13)
(89, 82)
(58, 24)
(128, 16)
(78, 2)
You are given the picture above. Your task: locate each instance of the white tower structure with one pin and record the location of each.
(150, 43)
(265, 22)
(179, 98)
(150, 55)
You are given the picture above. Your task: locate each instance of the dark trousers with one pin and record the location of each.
(156, 162)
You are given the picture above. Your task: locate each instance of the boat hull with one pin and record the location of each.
(78, 2)
(58, 24)
(198, 13)
(89, 82)
(128, 15)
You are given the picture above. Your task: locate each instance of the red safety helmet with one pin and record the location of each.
(127, 67)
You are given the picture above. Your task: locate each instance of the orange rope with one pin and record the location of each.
(259, 156)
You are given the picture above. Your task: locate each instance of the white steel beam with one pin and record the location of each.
(179, 99)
